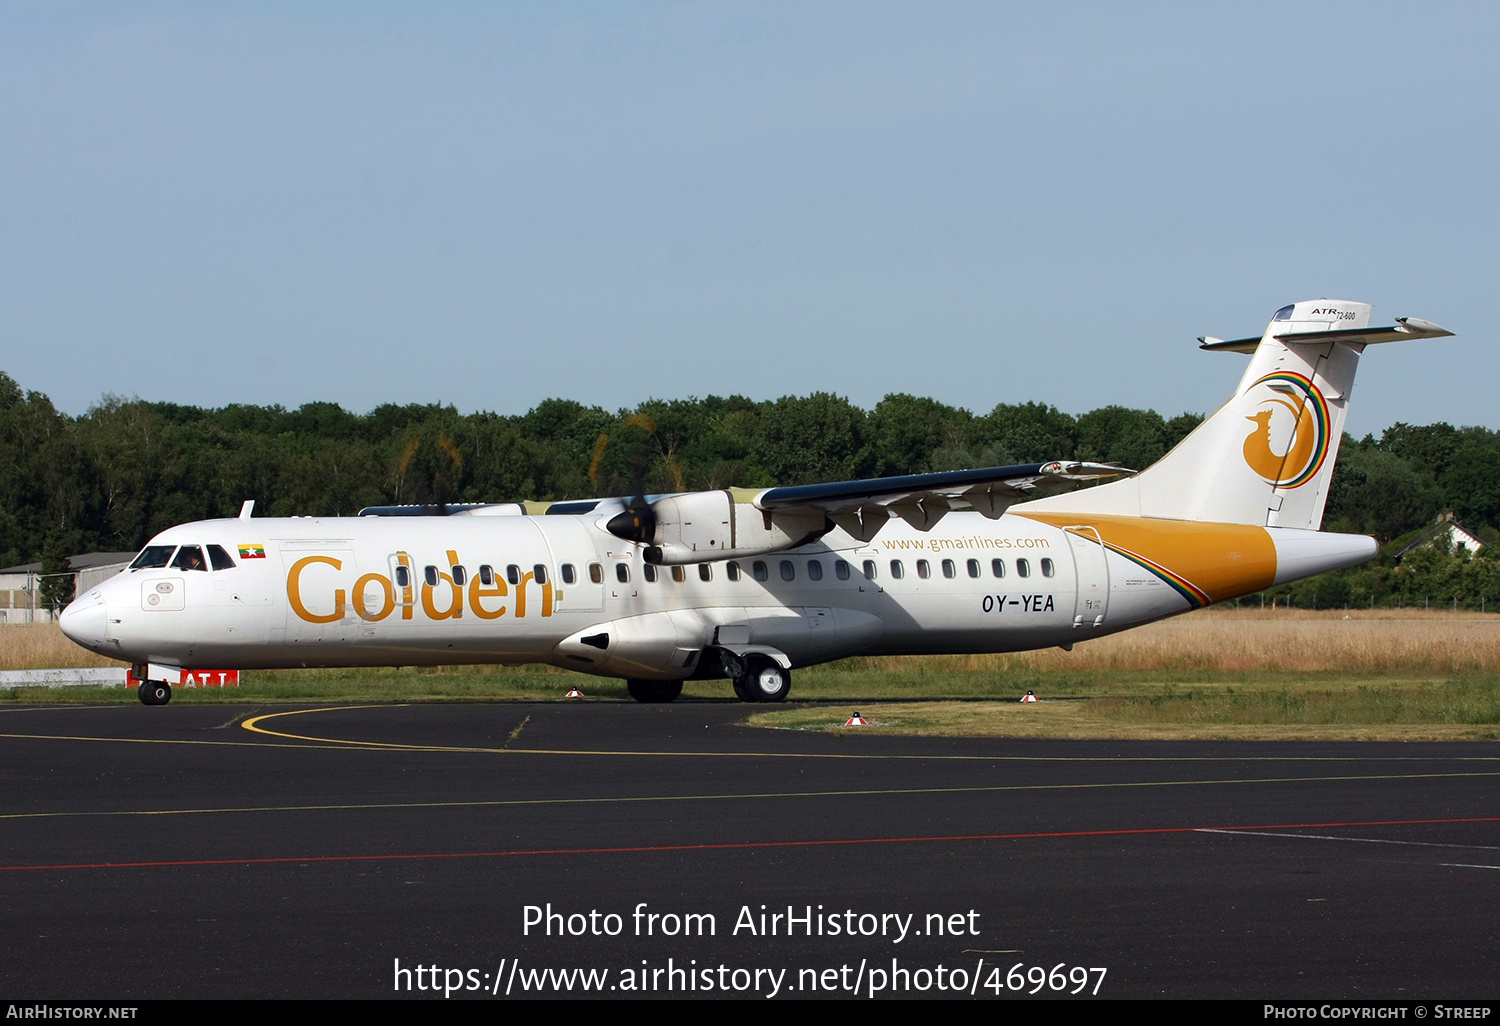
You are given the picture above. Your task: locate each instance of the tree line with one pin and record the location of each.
(109, 479)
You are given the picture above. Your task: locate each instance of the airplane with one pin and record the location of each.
(750, 584)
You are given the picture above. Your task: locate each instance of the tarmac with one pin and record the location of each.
(511, 850)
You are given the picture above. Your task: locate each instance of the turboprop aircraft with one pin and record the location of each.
(750, 584)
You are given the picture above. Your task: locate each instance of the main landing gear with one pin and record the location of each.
(155, 692)
(762, 679)
(654, 690)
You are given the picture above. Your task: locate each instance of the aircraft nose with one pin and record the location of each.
(84, 621)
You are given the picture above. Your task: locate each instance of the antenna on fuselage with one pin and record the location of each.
(247, 509)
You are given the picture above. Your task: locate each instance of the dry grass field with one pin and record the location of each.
(42, 646)
(1260, 641)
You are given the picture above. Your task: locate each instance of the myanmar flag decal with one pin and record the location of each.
(252, 552)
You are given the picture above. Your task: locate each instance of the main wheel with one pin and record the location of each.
(765, 680)
(654, 690)
(155, 692)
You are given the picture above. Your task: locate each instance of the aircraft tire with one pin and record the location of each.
(155, 692)
(766, 681)
(654, 690)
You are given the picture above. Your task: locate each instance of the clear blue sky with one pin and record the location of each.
(490, 204)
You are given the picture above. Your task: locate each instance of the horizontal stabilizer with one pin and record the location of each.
(1405, 328)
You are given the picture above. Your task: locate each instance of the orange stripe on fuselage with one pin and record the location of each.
(1222, 560)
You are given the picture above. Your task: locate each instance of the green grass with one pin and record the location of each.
(924, 698)
(1253, 706)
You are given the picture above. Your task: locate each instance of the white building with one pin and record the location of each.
(1447, 534)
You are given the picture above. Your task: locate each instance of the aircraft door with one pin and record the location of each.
(318, 577)
(1092, 567)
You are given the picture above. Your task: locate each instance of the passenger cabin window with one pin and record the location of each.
(539, 574)
(219, 558)
(1023, 568)
(705, 572)
(460, 575)
(190, 557)
(153, 557)
(403, 576)
(973, 566)
(897, 570)
(596, 573)
(1048, 569)
(622, 573)
(949, 570)
(814, 570)
(567, 573)
(648, 570)
(997, 567)
(924, 569)
(869, 569)
(513, 574)
(759, 568)
(788, 572)
(429, 575)
(733, 570)
(486, 575)
(841, 569)
(679, 574)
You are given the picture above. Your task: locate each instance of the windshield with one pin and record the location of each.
(1284, 314)
(189, 557)
(153, 557)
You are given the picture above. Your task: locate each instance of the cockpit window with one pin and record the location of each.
(153, 557)
(1284, 314)
(190, 557)
(219, 558)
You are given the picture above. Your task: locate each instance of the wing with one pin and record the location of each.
(692, 527)
(861, 508)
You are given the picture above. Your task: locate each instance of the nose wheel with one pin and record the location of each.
(155, 692)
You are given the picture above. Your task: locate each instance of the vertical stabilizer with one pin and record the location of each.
(1266, 456)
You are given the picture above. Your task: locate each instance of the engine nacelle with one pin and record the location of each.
(702, 526)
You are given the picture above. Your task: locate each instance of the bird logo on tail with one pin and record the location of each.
(1306, 449)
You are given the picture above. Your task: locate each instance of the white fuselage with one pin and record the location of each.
(329, 592)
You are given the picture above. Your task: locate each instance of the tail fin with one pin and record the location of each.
(1266, 456)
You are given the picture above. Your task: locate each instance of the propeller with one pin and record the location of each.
(637, 522)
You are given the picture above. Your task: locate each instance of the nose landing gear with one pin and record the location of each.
(155, 692)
